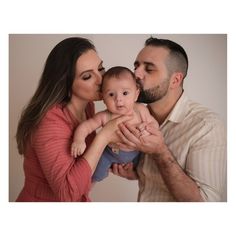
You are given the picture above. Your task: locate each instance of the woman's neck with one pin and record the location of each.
(77, 108)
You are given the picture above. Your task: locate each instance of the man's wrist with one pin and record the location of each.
(164, 157)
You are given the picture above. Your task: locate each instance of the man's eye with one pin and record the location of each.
(148, 69)
(136, 65)
(125, 93)
(101, 69)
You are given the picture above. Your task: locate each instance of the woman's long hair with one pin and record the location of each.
(54, 86)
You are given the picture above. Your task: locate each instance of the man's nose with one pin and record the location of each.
(138, 73)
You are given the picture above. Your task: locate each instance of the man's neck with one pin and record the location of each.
(162, 108)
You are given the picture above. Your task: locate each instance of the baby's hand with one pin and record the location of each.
(77, 148)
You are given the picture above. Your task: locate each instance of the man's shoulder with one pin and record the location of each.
(202, 114)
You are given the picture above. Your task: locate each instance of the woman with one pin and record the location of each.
(68, 86)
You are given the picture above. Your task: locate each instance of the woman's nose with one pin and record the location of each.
(99, 78)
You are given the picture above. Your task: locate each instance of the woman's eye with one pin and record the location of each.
(125, 93)
(86, 77)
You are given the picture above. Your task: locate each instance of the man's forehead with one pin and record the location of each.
(151, 55)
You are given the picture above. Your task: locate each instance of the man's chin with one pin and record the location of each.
(144, 100)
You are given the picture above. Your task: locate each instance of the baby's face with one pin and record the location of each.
(120, 94)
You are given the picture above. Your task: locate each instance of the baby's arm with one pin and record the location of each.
(83, 130)
(145, 116)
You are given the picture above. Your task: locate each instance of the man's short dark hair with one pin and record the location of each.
(178, 59)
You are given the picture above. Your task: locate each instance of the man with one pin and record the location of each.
(185, 157)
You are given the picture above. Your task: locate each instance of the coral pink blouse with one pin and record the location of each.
(51, 173)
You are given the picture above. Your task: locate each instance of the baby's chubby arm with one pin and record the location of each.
(139, 130)
(84, 129)
(146, 117)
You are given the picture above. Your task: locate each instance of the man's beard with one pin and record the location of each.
(153, 94)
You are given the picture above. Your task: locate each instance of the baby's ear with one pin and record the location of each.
(137, 94)
(100, 95)
(138, 84)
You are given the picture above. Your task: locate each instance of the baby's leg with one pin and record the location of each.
(102, 169)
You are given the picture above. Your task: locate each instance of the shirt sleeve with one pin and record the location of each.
(69, 178)
(206, 161)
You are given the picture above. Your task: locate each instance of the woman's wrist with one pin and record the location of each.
(102, 138)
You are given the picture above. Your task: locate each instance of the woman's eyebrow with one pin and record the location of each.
(85, 71)
(90, 70)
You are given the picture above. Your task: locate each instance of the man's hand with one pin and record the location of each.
(146, 137)
(124, 170)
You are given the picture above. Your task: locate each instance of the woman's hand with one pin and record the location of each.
(108, 132)
(124, 170)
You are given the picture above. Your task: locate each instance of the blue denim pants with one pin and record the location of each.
(108, 158)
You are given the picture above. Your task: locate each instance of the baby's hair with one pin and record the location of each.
(116, 72)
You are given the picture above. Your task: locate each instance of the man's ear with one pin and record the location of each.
(176, 79)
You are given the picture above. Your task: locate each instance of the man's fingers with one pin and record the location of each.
(152, 129)
(141, 126)
(115, 169)
(129, 134)
(128, 166)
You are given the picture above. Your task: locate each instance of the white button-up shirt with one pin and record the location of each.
(197, 139)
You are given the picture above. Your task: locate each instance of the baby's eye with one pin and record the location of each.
(111, 94)
(125, 93)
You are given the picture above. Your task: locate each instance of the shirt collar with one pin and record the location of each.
(179, 111)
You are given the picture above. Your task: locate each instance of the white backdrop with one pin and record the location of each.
(206, 83)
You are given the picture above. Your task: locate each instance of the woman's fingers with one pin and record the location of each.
(123, 118)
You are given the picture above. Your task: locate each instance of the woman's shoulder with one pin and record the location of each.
(59, 114)
(56, 123)
(56, 111)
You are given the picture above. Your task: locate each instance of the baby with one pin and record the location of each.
(120, 93)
